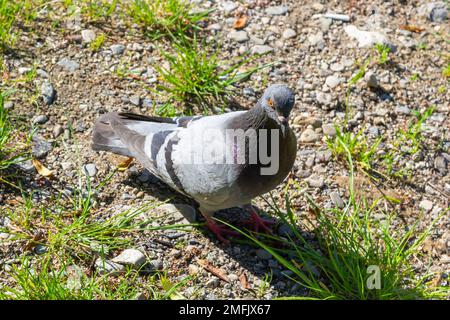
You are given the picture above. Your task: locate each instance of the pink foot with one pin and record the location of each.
(220, 231)
(256, 222)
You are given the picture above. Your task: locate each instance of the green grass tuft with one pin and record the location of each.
(8, 11)
(162, 18)
(383, 52)
(11, 150)
(195, 75)
(362, 151)
(348, 254)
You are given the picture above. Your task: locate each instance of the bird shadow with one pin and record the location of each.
(256, 262)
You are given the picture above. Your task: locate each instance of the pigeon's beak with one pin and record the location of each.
(283, 120)
(284, 124)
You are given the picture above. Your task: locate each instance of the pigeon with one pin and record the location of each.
(220, 161)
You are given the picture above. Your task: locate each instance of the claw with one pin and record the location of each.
(256, 222)
(220, 231)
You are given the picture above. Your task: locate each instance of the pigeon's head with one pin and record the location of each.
(278, 101)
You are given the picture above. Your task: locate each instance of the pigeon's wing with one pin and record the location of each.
(148, 139)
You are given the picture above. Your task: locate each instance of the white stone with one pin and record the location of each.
(336, 199)
(332, 81)
(182, 213)
(88, 35)
(277, 10)
(328, 129)
(261, 49)
(367, 38)
(108, 267)
(289, 33)
(229, 6)
(90, 169)
(337, 67)
(371, 80)
(335, 16)
(316, 38)
(23, 70)
(117, 49)
(238, 36)
(131, 257)
(426, 205)
(309, 136)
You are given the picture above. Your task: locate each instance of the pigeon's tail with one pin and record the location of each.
(105, 138)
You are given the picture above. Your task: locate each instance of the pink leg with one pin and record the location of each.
(220, 231)
(256, 222)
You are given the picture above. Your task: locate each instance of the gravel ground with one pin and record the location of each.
(315, 54)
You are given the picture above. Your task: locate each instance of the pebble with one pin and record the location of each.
(310, 161)
(440, 163)
(229, 6)
(238, 36)
(42, 73)
(314, 122)
(316, 39)
(57, 131)
(131, 257)
(434, 11)
(367, 38)
(41, 148)
(332, 81)
(249, 92)
(135, 100)
(339, 17)
(67, 134)
(426, 205)
(374, 131)
(108, 267)
(336, 199)
(215, 27)
(193, 269)
(402, 109)
(371, 80)
(23, 70)
(90, 169)
(144, 176)
(315, 182)
(285, 230)
(309, 135)
(126, 196)
(263, 254)
(155, 265)
(324, 99)
(8, 105)
(140, 296)
(289, 33)
(40, 249)
(323, 156)
(325, 24)
(41, 119)
(88, 35)
(48, 93)
(212, 283)
(147, 103)
(303, 173)
(277, 10)
(182, 213)
(337, 67)
(261, 49)
(26, 165)
(328, 129)
(68, 65)
(117, 49)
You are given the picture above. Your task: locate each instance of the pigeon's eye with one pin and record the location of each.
(270, 102)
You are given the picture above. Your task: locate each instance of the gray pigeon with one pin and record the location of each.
(220, 161)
